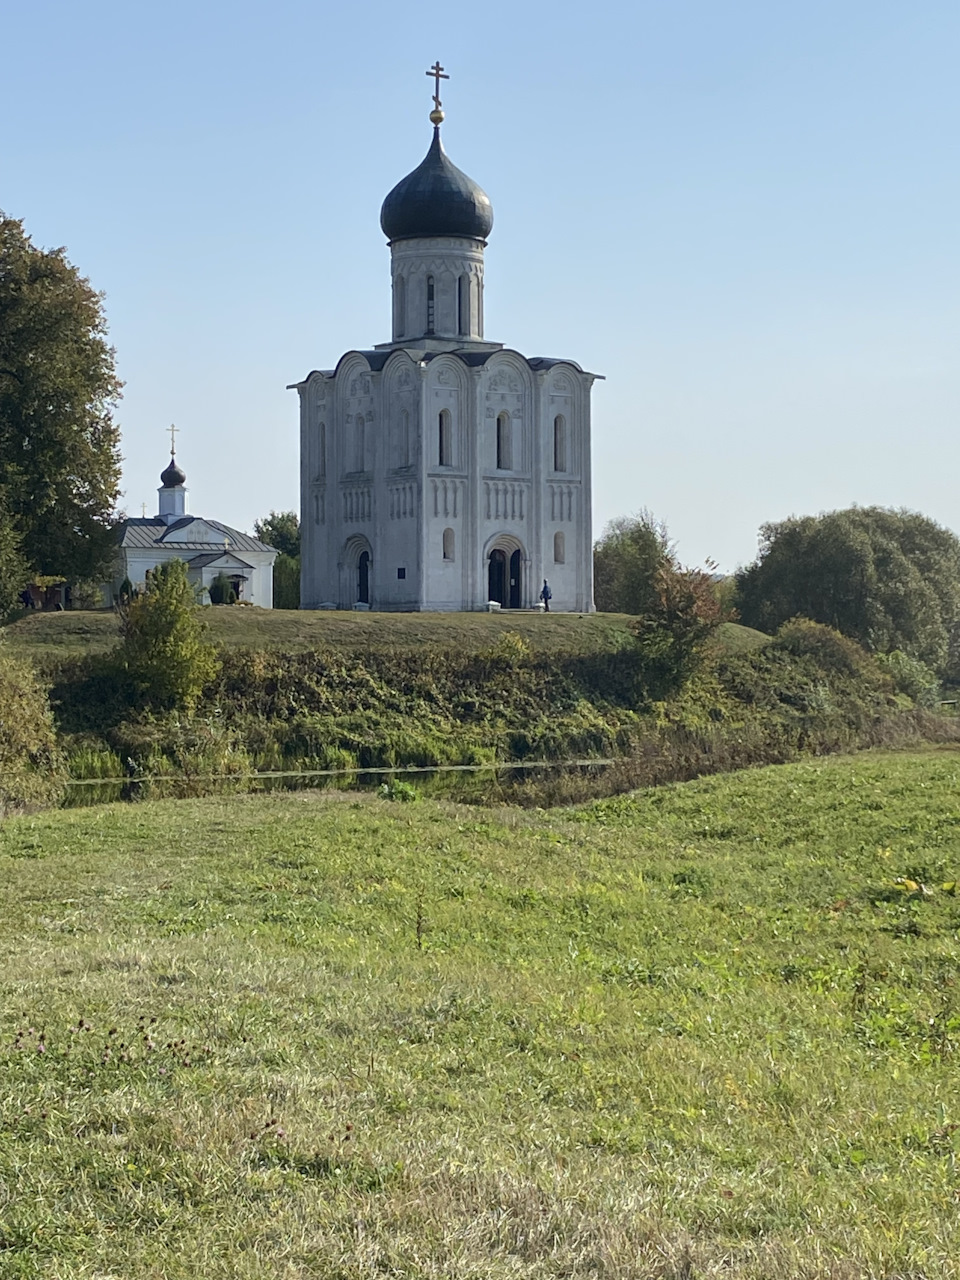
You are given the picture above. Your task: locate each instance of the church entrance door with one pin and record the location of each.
(363, 578)
(497, 587)
(515, 561)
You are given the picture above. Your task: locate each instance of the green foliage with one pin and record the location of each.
(705, 1030)
(636, 572)
(286, 582)
(86, 594)
(889, 579)
(221, 590)
(13, 567)
(59, 445)
(31, 766)
(162, 651)
(280, 529)
(627, 562)
(912, 677)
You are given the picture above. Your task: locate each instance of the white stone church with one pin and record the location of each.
(440, 471)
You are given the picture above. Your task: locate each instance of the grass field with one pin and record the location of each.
(708, 1030)
(76, 632)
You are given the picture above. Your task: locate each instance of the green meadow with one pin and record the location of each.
(705, 1030)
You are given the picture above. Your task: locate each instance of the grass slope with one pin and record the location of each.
(75, 633)
(293, 630)
(708, 1030)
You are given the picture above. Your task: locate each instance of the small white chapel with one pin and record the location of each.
(440, 471)
(208, 547)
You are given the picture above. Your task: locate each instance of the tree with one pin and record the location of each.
(286, 582)
(636, 571)
(888, 579)
(626, 563)
(281, 529)
(162, 650)
(59, 445)
(13, 568)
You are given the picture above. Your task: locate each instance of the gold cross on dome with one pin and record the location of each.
(437, 72)
(173, 441)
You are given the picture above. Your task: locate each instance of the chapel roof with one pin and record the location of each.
(150, 532)
(436, 199)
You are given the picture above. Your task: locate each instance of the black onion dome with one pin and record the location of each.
(437, 199)
(172, 475)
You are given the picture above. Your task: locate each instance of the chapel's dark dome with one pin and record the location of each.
(172, 476)
(437, 199)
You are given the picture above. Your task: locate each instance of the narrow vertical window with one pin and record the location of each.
(400, 306)
(463, 305)
(322, 450)
(448, 544)
(431, 305)
(559, 443)
(559, 549)
(358, 443)
(504, 443)
(404, 443)
(445, 439)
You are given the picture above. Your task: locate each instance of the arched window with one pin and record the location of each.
(322, 450)
(359, 455)
(431, 304)
(449, 544)
(559, 443)
(445, 439)
(504, 443)
(559, 549)
(403, 444)
(399, 305)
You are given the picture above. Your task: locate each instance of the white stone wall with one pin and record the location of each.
(374, 481)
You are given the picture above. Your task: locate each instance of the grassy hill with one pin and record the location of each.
(708, 1030)
(75, 633)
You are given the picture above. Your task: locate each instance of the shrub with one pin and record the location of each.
(31, 767)
(162, 651)
(911, 677)
(286, 582)
(221, 590)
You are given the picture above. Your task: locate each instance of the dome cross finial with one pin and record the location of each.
(173, 440)
(436, 115)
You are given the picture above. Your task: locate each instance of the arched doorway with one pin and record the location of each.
(505, 578)
(497, 574)
(363, 578)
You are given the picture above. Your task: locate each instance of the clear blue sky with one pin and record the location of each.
(743, 212)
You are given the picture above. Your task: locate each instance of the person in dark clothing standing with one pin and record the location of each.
(546, 595)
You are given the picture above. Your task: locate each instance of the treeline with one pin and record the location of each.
(890, 580)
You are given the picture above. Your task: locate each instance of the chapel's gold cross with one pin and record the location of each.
(173, 441)
(437, 72)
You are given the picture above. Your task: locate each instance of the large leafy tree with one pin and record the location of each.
(627, 562)
(59, 445)
(281, 529)
(889, 579)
